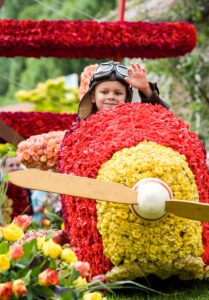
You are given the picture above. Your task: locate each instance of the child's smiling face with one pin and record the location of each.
(107, 94)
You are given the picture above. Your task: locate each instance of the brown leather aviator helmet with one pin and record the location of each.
(106, 71)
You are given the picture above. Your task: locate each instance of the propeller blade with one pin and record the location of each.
(9, 135)
(73, 185)
(100, 190)
(188, 209)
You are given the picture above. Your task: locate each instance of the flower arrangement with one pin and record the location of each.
(91, 39)
(41, 151)
(42, 265)
(39, 267)
(124, 145)
(51, 96)
(33, 123)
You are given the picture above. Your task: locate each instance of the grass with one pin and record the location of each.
(170, 289)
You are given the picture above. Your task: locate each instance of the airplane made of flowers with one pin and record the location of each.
(127, 146)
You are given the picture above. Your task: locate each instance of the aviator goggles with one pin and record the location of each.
(105, 70)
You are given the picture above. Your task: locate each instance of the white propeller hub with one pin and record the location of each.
(152, 195)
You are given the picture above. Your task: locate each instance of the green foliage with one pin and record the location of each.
(51, 96)
(7, 149)
(189, 73)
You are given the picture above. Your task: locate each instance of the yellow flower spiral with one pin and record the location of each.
(136, 247)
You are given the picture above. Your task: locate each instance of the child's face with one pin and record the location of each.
(12, 164)
(107, 94)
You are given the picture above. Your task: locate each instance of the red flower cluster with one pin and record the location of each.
(91, 39)
(33, 123)
(97, 140)
(20, 198)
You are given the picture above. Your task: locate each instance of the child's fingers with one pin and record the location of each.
(135, 67)
(140, 68)
(130, 71)
(128, 80)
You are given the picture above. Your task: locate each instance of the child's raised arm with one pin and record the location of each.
(148, 91)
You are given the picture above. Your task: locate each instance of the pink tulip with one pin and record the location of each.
(16, 251)
(22, 221)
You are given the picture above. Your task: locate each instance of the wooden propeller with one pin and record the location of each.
(108, 191)
(9, 135)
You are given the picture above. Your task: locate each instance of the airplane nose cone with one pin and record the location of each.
(152, 194)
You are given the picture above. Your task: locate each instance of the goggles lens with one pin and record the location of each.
(122, 70)
(104, 68)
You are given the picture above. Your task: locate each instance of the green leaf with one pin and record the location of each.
(66, 282)
(27, 277)
(74, 274)
(29, 248)
(52, 264)
(35, 271)
(4, 247)
(69, 295)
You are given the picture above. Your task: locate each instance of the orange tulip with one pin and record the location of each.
(48, 277)
(19, 287)
(5, 290)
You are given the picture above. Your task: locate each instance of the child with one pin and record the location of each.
(110, 84)
(10, 164)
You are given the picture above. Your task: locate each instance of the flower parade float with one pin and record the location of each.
(129, 144)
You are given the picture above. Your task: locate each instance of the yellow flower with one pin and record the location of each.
(63, 226)
(12, 232)
(4, 262)
(80, 283)
(40, 241)
(51, 249)
(68, 255)
(93, 296)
